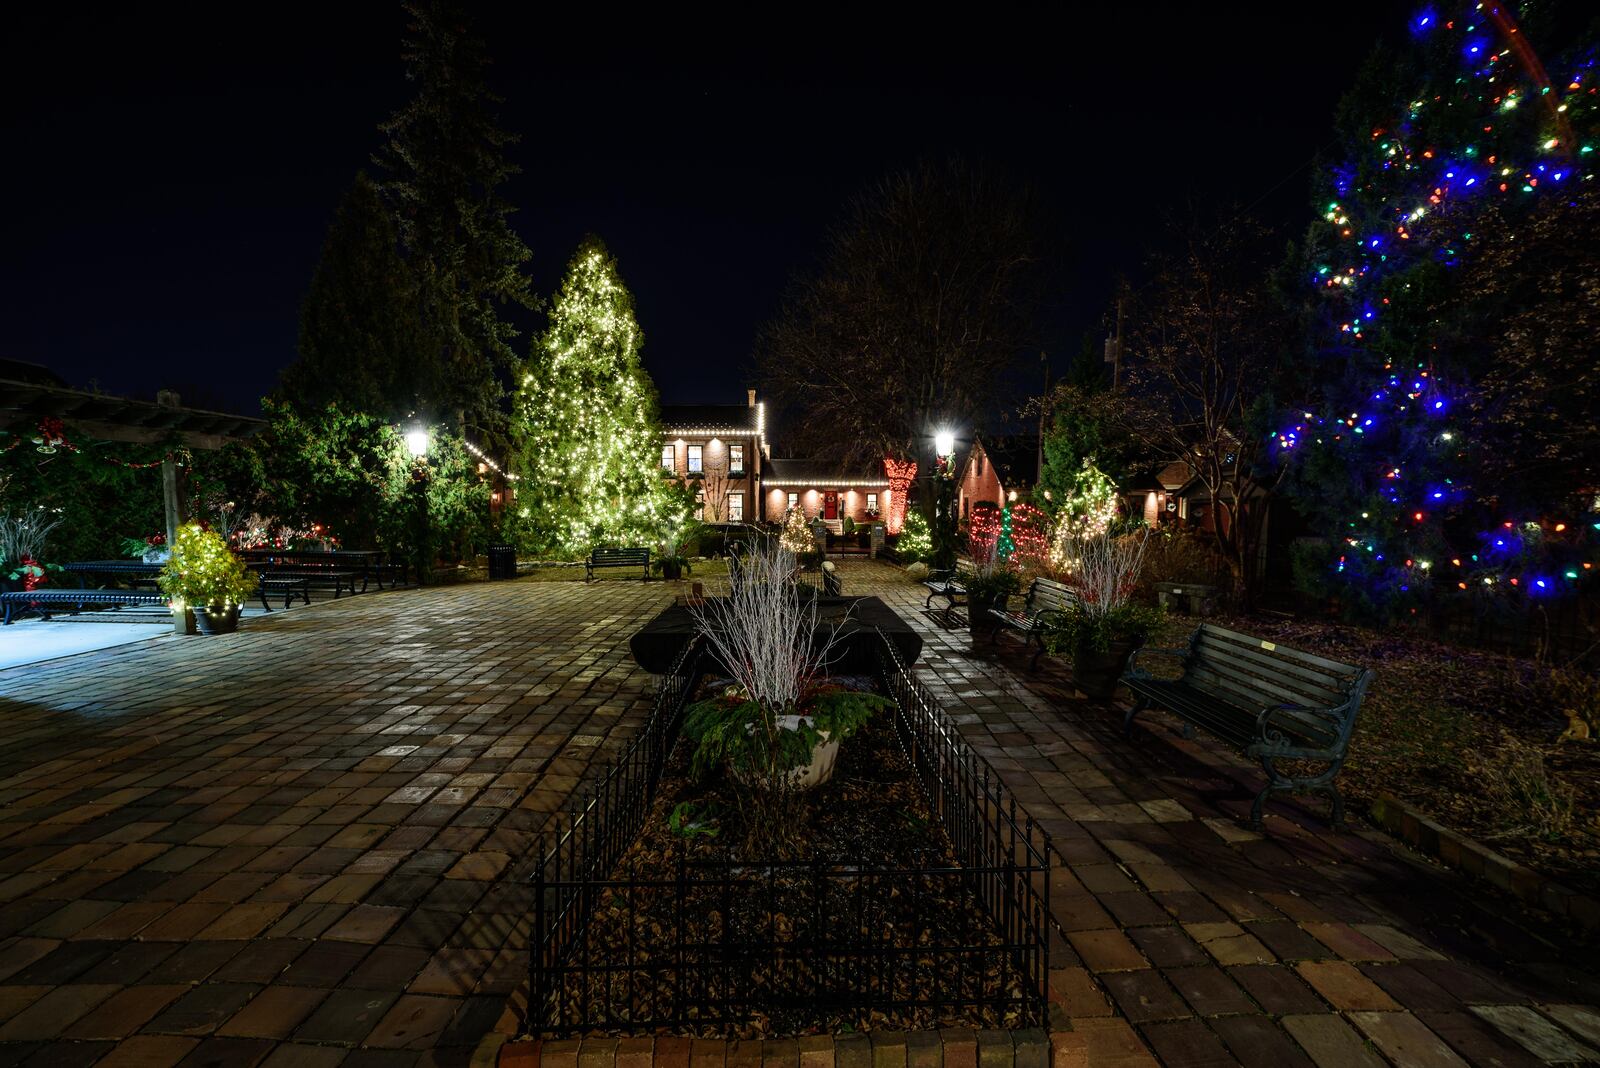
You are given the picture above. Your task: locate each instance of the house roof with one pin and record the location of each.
(710, 418)
(1015, 458)
(823, 473)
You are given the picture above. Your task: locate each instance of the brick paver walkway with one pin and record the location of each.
(1215, 945)
(302, 839)
(299, 846)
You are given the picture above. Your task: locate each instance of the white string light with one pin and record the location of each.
(496, 468)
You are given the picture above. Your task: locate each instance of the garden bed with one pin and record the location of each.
(1472, 738)
(877, 919)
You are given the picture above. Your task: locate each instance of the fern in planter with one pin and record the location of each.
(727, 730)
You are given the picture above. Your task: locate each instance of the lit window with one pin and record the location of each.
(736, 459)
(669, 458)
(794, 500)
(872, 504)
(736, 507)
(695, 465)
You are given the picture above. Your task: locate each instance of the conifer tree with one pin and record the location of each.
(586, 419)
(361, 340)
(445, 158)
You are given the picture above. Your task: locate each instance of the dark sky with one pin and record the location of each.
(171, 173)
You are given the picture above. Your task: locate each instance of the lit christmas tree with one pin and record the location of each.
(796, 536)
(586, 419)
(1406, 464)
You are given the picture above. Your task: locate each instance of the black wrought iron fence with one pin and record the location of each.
(793, 944)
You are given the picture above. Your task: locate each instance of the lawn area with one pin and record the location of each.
(1474, 739)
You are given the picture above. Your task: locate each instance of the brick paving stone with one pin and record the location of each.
(1344, 986)
(1331, 1042)
(295, 1055)
(149, 1051)
(124, 1012)
(1168, 946)
(219, 1052)
(1258, 1043)
(1187, 1044)
(959, 1047)
(1105, 951)
(1406, 1040)
(1278, 990)
(1144, 996)
(203, 1009)
(51, 1014)
(413, 1022)
(1209, 991)
(1535, 1033)
(274, 1013)
(1075, 991)
(1478, 1041)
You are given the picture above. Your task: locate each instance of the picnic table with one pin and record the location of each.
(859, 619)
(367, 563)
(134, 572)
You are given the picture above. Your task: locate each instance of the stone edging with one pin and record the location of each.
(879, 1049)
(1456, 850)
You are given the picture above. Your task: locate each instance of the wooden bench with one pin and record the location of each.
(613, 556)
(1269, 701)
(76, 600)
(288, 585)
(946, 584)
(1046, 599)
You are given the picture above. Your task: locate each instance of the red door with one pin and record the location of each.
(830, 505)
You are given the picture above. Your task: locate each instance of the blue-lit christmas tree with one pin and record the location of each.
(1454, 152)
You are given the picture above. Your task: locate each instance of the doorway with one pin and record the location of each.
(830, 505)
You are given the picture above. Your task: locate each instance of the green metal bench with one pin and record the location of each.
(1270, 702)
(947, 584)
(1046, 600)
(613, 556)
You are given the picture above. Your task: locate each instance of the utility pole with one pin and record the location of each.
(1114, 343)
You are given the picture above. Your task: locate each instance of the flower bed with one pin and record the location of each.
(917, 902)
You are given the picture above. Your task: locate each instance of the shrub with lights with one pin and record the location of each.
(203, 574)
(1083, 514)
(1453, 270)
(916, 540)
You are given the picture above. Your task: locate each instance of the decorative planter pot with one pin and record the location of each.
(1097, 673)
(225, 621)
(824, 755)
(979, 622)
(671, 569)
(157, 556)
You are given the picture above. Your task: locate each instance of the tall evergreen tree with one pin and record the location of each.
(362, 344)
(586, 418)
(1460, 158)
(445, 160)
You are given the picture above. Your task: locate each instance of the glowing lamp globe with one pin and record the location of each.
(944, 442)
(417, 443)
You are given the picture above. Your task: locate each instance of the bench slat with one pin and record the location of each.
(1331, 666)
(1269, 659)
(1263, 679)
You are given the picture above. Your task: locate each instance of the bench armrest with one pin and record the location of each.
(1179, 653)
(1340, 718)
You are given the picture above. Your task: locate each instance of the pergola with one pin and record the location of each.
(30, 394)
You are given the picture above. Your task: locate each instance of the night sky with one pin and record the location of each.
(171, 176)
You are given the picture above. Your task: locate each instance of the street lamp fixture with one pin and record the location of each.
(417, 443)
(945, 443)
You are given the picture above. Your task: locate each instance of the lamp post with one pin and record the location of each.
(944, 513)
(417, 441)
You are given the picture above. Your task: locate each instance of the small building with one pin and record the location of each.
(826, 490)
(998, 470)
(1157, 496)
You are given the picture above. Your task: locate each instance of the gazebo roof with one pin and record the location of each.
(26, 397)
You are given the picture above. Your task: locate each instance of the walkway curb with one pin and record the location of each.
(1456, 850)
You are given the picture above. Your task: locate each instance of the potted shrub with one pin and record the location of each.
(202, 574)
(672, 559)
(1105, 626)
(776, 724)
(989, 583)
(151, 550)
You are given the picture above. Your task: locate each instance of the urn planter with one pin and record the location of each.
(217, 620)
(1097, 672)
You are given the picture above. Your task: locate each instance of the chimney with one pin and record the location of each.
(752, 395)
